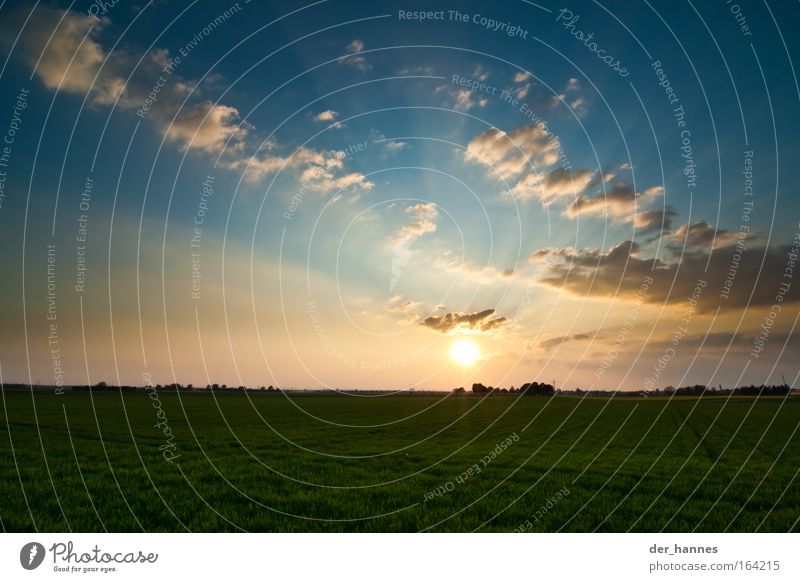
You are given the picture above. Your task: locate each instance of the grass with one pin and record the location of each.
(81, 462)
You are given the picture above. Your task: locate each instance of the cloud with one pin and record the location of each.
(543, 100)
(510, 153)
(71, 59)
(620, 271)
(401, 303)
(327, 115)
(206, 126)
(318, 169)
(521, 77)
(655, 223)
(480, 73)
(355, 60)
(395, 146)
(462, 99)
(63, 46)
(454, 322)
(55, 38)
(425, 215)
(555, 184)
(620, 202)
(355, 46)
(557, 341)
(702, 236)
(465, 101)
(487, 275)
(717, 343)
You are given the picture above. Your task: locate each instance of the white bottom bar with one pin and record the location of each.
(401, 557)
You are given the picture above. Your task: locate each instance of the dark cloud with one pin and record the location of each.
(557, 341)
(702, 237)
(653, 224)
(479, 321)
(717, 343)
(620, 271)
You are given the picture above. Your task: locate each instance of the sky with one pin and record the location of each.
(335, 194)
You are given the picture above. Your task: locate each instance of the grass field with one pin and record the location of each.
(258, 462)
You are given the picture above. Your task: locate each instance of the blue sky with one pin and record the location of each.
(384, 186)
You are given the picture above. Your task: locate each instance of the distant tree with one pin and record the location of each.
(479, 388)
(459, 390)
(101, 384)
(537, 389)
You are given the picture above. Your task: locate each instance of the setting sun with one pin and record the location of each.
(464, 352)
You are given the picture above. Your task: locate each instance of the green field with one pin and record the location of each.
(334, 463)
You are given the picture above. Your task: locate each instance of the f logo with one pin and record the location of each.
(31, 555)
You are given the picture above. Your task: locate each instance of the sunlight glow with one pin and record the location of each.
(464, 352)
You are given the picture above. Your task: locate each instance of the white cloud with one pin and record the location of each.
(327, 115)
(207, 126)
(521, 77)
(511, 153)
(424, 215)
(558, 183)
(355, 60)
(318, 169)
(620, 202)
(396, 146)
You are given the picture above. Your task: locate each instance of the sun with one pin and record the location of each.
(464, 352)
